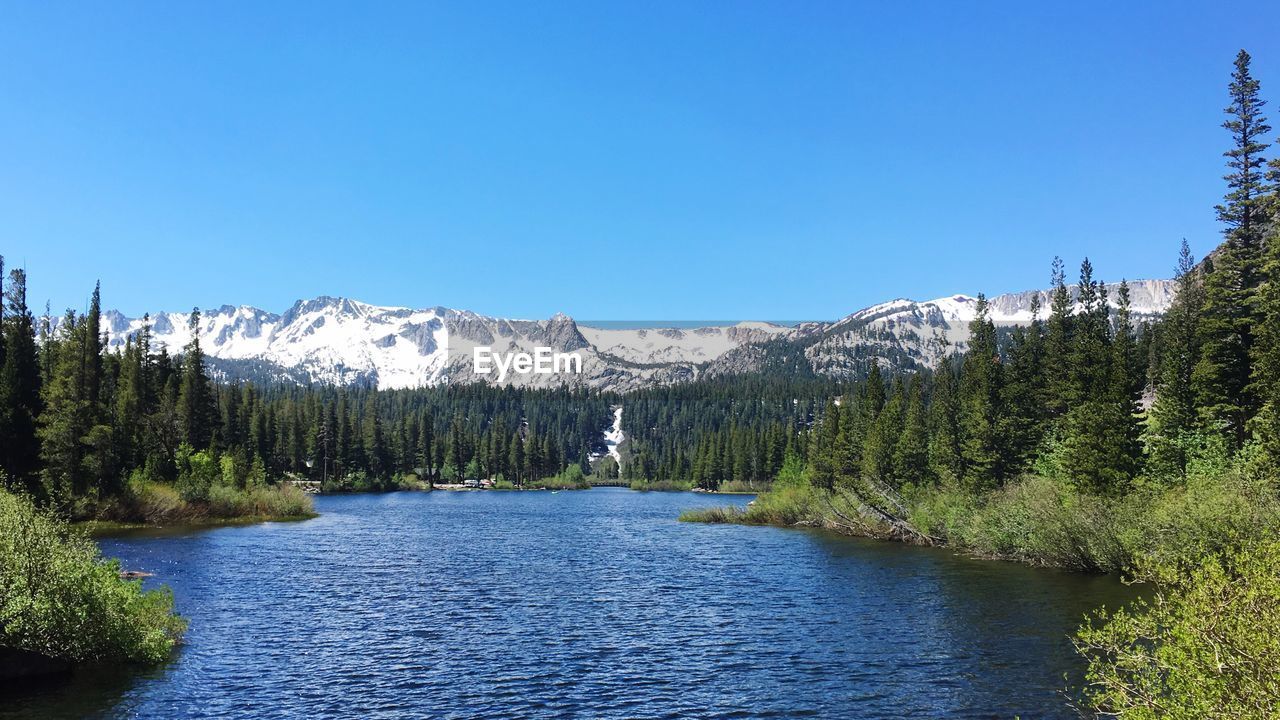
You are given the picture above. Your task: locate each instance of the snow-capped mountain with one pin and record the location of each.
(909, 334)
(342, 341)
(346, 342)
(325, 340)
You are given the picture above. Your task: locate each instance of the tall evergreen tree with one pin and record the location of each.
(1172, 420)
(980, 409)
(945, 460)
(911, 453)
(1125, 386)
(1058, 335)
(1230, 316)
(1023, 397)
(67, 417)
(19, 387)
(827, 440)
(196, 402)
(1245, 208)
(376, 451)
(882, 438)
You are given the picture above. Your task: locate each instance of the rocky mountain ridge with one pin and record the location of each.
(347, 342)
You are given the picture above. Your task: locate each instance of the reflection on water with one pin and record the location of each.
(588, 604)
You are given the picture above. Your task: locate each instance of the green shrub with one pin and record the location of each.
(159, 503)
(792, 503)
(1222, 503)
(571, 478)
(730, 514)
(154, 503)
(1207, 645)
(1215, 511)
(943, 511)
(741, 487)
(59, 598)
(1045, 522)
(197, 472)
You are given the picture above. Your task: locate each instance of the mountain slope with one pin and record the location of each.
(346, 342)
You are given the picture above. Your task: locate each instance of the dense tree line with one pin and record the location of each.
(721, 430)
(78, 421)
(1065, 394)
(1062, 390)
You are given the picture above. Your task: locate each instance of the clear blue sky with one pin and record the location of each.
(633, 161)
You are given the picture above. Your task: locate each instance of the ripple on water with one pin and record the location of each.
(594, 604)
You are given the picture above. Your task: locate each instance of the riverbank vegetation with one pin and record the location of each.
(660, 486)
(61, 600)
(1090, 441)
(1205, 645)
(571, 478)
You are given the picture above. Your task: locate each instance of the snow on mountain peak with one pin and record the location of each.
(343, 341)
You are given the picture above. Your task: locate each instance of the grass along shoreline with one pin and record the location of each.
(1041, 521)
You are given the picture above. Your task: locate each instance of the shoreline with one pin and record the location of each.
(111, 528)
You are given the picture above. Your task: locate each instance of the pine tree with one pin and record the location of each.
(1023, 396)
(873, 393)
(911, 453)
(128, 408)
(426, 454)
(855, 423)
(91, 351)
(1172, 419)
(100, 463)
(826, 441)
(945, 462)
(1266, 355)
(516, 459)
(19, 387)
(882, 438)
(1125, 387)
(343, 456)
(1098, 435)
(1246, 204)
(67, 417)
(196, 401)
(1058, 336)
(980, 387)
(326, 433)
(377, 455)
(1225, 392)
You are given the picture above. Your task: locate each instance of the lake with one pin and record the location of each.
(592, 604)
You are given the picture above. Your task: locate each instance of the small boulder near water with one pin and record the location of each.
(134, 574)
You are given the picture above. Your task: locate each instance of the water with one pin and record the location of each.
(582, 604)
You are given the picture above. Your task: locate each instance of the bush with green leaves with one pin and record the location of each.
(60, 598)
(1205, 646)
(1044, 522)
(197, 472)
(572, 478)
